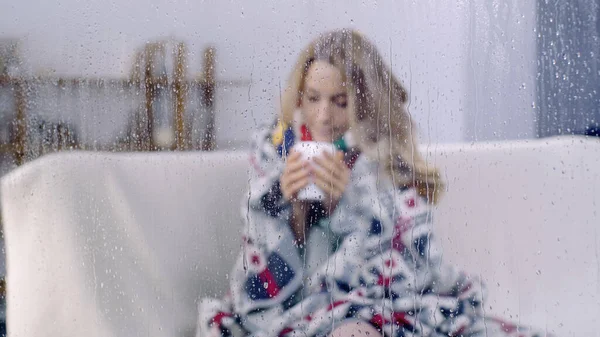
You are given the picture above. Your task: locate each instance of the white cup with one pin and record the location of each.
(309, 151)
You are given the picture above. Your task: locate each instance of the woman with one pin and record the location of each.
(362, 261)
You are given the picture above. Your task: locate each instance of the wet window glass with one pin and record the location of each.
(315, 168)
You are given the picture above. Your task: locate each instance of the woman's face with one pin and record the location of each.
(324, 102)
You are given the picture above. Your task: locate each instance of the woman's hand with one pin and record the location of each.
(331, 175)
(296, 176)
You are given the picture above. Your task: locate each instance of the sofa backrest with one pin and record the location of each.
(124, 244)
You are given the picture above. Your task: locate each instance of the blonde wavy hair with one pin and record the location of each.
(379, 120)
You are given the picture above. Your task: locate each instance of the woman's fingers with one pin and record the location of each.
(337, 156)
(332, 191)
(301, 173)
(291, 189)
(328, 164)
(294, 162)
(328, 181)
(329, 173)
(297, 185)
(334, 164)
(294, 165)
(295, 176)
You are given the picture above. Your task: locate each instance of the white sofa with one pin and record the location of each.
(124, 244)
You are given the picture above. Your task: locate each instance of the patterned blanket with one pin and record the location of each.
(380, 263)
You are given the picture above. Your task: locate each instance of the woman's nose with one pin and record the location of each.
(325, 112)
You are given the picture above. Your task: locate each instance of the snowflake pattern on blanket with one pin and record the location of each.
(384, 269)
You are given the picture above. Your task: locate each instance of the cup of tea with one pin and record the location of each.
(309, 151)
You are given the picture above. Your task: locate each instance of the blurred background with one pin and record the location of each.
(202, 75)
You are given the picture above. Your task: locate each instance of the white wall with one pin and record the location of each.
(465, 62)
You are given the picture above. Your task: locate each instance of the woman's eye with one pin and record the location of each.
(341, 102)
(313, 99)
